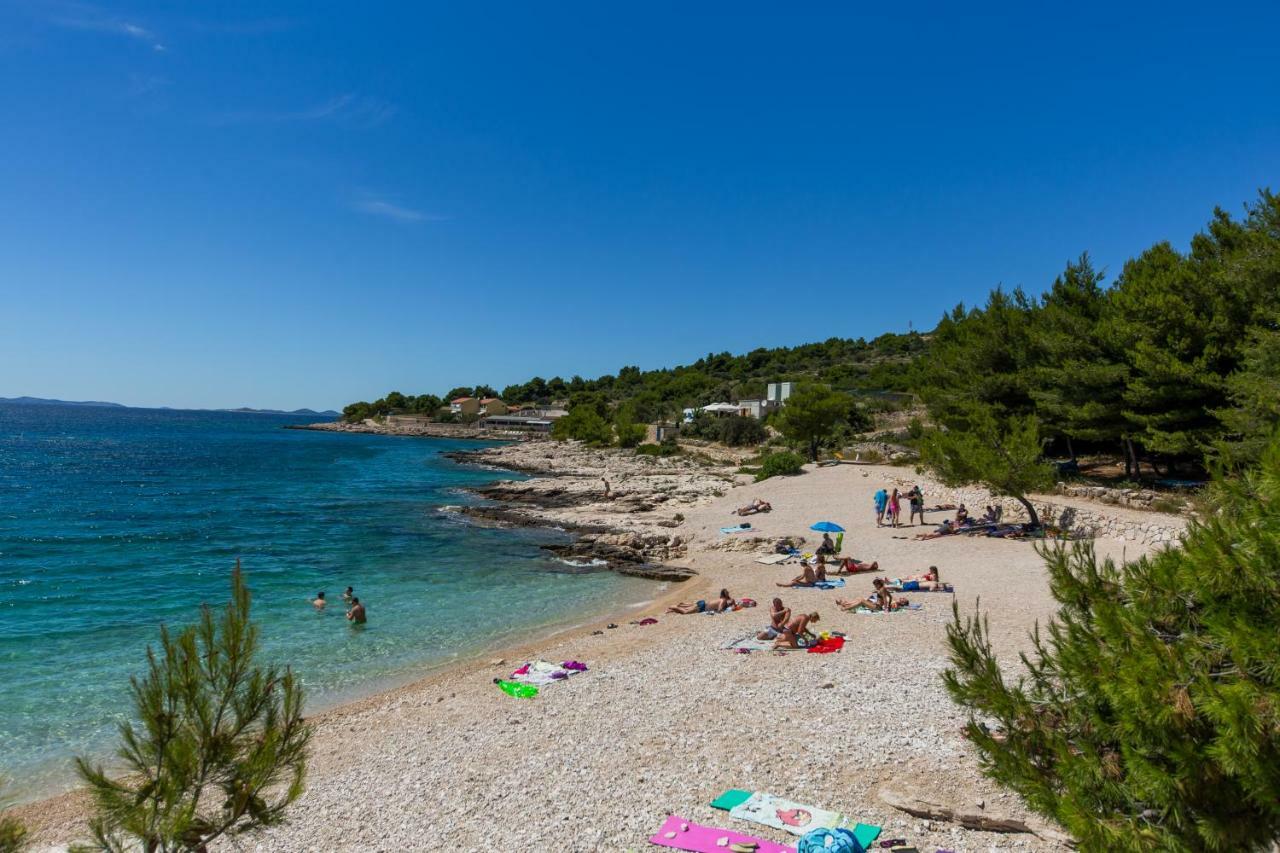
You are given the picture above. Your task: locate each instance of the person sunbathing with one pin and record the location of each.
(881, 599)
(779, 616)
(962, 515)
(719, 605)
(755, 506)
(849, 566)
(944, 529)
(807, 577)
(926, 582)
(794, 630)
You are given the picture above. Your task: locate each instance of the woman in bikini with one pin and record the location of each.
(895, 508)
(805, 578)
(794, 630)
(779, 616)
(881, 599)
(849, 566)
(719, 605)
(927, 582)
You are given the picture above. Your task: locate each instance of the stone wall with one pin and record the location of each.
(1083, 521)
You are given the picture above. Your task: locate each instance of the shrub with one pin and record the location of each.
(629, 432)
(741, 431)
(584, 424)
(1150, 717)
(784, 464)
(220, 748)
(664, 449)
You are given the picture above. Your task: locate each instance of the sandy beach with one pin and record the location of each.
(665, 719)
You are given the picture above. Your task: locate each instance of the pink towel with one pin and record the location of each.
(702, 839)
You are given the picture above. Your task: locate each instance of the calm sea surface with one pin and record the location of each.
(113, 521)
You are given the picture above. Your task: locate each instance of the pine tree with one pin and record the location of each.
(1149, 718)
(980, 447)
(811, 416)
(219, 747)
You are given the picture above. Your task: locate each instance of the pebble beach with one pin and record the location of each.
(665, 718)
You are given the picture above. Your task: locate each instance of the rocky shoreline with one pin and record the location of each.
(621, 507)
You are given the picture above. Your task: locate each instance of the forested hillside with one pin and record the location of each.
(1176, 361)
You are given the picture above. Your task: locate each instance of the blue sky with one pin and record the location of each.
(302, 204)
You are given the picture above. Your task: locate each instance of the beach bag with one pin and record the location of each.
(823, 840)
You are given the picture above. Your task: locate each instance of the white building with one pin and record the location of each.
(776, 393)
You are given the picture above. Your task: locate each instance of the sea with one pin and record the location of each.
(115, 521)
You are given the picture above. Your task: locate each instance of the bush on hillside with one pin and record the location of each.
(1150, 717)
(583, 423)
(783, 464)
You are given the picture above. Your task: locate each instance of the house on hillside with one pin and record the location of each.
(493, 406)
(776, 393)
(753, 408)
(465, 406)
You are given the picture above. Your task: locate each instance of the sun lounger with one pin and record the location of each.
(796, 818)
(683, 834)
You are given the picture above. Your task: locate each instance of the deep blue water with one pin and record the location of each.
(113, 521)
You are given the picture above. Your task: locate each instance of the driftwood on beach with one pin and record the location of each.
(917, 807)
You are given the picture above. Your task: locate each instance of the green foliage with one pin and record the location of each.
(735, 430)
(583, 423)
(1150, 717)
(13, 833)
(220, 745)
(781, 464)
(811, 416)
(628, 431)
(666, 448)
(1003, 454)
(1254, 392)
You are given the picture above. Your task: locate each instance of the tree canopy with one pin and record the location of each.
(1149, 718)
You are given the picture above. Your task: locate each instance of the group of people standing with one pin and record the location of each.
(355, 610)
(888, 506)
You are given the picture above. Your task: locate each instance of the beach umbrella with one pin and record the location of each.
(827, 527)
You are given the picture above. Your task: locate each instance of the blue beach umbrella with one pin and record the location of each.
(827, 527)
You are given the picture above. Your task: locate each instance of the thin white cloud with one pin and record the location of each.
(88, 18)
(348, 109)
(387, 210)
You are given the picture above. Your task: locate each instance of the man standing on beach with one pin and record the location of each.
(917, 504)
(356, 613)
(882, 503)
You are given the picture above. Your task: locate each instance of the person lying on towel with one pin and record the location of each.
(849, 566)
(752, 508)
(795, 631)
(779, 616)
(944, 529)
(927, 582)
(720, 605)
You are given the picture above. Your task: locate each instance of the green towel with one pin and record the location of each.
(866, 835)
(731, 798)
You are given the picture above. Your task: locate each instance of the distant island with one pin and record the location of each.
(41, 401)
(44, 401)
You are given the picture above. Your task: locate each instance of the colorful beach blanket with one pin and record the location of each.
(795, 818)
(736, 529)
(682, 834)
(541, 672)
(894, 610)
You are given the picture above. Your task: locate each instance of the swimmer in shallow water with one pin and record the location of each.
(356, 614)
(348, 595)
(318, 603)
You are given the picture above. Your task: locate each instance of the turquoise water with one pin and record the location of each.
(113, 521)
